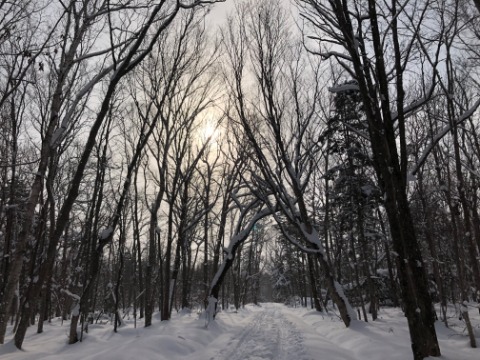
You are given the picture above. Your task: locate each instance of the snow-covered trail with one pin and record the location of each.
(269, 336)
(274, 331)
(266, 332)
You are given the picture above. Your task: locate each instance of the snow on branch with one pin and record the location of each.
(291, 239)
(106, 233)
(439, 136)
(356, 131)
(238, 238)
(188, 5)
(72, 295)
(329, 54)
(344, 88)
(410, 109)
(60, 131)
(311, 235)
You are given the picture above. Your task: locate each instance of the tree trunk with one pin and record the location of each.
(313, 283)
(413, 280)
(185, 277)
(73, 336)
(149, 299)
(165, 305)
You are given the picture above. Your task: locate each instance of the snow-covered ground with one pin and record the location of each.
(271, 331)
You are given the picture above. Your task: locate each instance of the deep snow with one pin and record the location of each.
(270, 331)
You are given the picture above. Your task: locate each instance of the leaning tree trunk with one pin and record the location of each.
(336, 292)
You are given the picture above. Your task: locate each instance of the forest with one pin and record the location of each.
(315, 153)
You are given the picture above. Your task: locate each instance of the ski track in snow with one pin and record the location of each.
(267, 332)
(269, 336)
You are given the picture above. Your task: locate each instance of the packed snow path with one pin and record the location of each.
(269, 336)
(265, 332)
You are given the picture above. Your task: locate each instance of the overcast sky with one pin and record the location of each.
(221, 10)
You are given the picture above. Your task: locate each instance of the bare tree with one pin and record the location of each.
(125, 52)
(365, 34)
(280, 124)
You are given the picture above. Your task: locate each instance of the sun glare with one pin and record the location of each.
(209, 131)
(209, 128)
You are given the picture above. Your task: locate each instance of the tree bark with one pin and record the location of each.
(313, 282)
